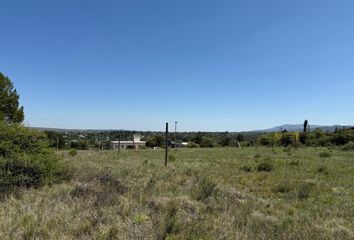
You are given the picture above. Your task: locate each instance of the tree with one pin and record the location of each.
(306, 126)
(56, 139)
(225, 141)
(155, 141)
(207, 142)
(240, 137)
(10, 111)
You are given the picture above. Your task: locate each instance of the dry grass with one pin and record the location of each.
(201, 194)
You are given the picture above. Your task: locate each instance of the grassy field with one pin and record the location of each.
(221, 193)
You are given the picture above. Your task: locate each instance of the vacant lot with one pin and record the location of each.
(222, 193)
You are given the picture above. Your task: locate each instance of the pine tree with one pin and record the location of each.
(10, 111)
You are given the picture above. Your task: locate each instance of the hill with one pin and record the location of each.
(300, 127)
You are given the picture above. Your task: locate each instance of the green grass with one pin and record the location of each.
(221, 193)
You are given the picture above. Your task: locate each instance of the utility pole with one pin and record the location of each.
(166, 145)
(175, 141)
(119, 142)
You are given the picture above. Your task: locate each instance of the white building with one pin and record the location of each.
(135, 144)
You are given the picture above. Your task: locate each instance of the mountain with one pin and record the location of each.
(300, 128)
(288, 127)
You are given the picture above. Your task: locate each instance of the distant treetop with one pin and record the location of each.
(10, 111)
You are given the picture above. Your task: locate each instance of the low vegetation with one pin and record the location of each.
(219, 193)
(26, 159)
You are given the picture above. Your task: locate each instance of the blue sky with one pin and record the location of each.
(211, 65)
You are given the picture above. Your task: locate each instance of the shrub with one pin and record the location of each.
(246, 168)
(171, 158)
(322, 169)
(30, 171)
(171, 223)
(140, 218)
(73, 152)
(207, 142)
(16, 139)
(257, 156)
(287, 149)
(193, 145)
(294, 163)
(305, 190)
(282, 188)
(348, 147)
(26, 160)
(206, 189)
(324, 154)
(264, 167)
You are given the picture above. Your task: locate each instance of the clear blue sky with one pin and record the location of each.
(211, 65)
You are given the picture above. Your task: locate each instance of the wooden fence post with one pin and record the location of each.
(166, 145)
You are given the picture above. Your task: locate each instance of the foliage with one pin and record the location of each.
(16, 139)
(349, 146)
(264, 166)
(80, 144)
(73, 152)
(315, 138)
(304, 190)
(207, 143)
(10, 111)
(193, 145)
(155, 141)
(171, 157)
(287, 139)
(246, 168)
(206, 189)
(25, 158)
(324, 154)
(56, 139)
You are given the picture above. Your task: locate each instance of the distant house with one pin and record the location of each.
(135, 144)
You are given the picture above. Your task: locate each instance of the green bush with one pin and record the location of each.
(322, 169)
(264, 167)
(246, 168)
(30, 171)
(73, 152)
(26, 160)
(294, 163)
(207, 143)
(206, 189)
(305, 190)
(348, 147)
(193, 145)
(324, 154)
(16, 139)
(171, 158)
(284, 187)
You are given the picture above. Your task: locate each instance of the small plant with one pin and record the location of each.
(264, 167)
(282, 188)
(172, 158)
(294, 163)
(348, 147)
(246, 168)
(193, 145)
(256, 156)
(287, 149)
(305, 190)
(322, 169)
(325, 154)
(140, 218)
(73, 152)
(206, 189)
(172, 225)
